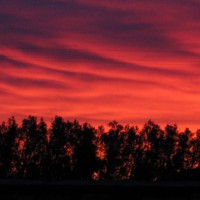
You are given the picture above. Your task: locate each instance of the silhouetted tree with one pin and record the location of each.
(131, 151)
(169, 151)
(59, 160)
(113, 144)
(85, 161)
(30, 154)
(195, 162)
(151, 141)
(182, 150)
(8, 135)
(41, 149)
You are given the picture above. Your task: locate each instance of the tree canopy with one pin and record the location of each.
(69, 150)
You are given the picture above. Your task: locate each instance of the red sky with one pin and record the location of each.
(100, 60)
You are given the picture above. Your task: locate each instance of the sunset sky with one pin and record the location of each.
(100, 60)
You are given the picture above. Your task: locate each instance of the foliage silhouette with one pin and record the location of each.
(8, 135)
(70, 150)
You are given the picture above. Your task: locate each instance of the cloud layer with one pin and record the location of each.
(101, 60)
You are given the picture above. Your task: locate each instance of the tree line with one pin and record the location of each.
(70, 150)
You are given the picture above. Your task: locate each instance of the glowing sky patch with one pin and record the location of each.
(98, 61)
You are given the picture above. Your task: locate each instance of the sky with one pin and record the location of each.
(101, 60)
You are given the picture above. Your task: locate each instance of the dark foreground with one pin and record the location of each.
(29, 190)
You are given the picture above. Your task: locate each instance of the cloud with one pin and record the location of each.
(101, 60)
